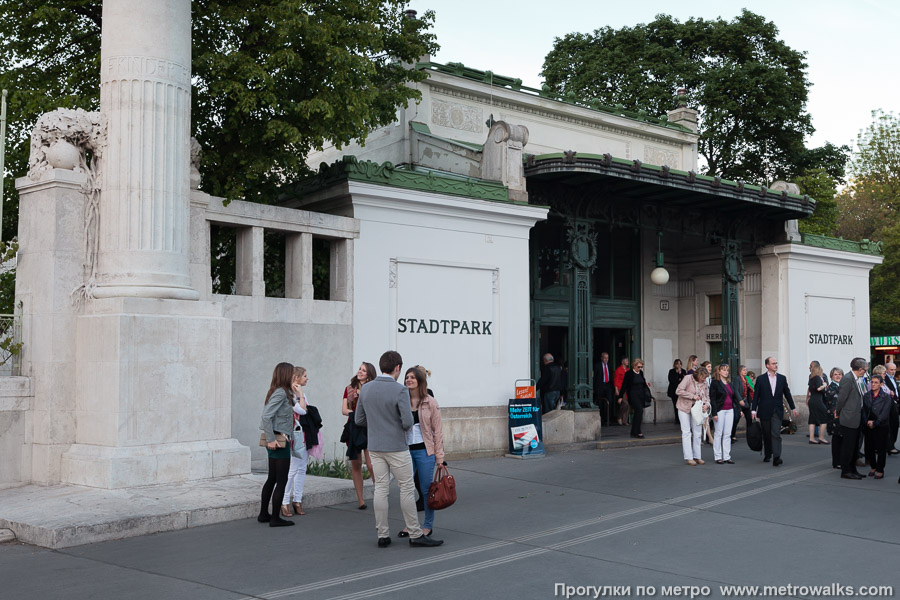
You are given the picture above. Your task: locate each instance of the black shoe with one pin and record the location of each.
(425, 541)
(403, 534)
(894, 451)
(767, 459)
(279, 522)
(384, 542)
(264, 517)
(776, 461)
(851, 476)
(729, 461)
(720, 462)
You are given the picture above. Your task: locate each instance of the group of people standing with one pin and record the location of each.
(395, 427)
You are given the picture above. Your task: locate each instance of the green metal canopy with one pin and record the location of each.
(632, 180)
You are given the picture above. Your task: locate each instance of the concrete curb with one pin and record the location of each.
(62, 516)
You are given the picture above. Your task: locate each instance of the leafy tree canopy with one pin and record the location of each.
(273, 79)
(749, 87)
(819, 185)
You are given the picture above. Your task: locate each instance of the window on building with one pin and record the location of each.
(549, 247)
(714, 311)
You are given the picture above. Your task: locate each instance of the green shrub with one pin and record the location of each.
(337, 468)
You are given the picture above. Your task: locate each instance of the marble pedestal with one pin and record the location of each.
(152, 395)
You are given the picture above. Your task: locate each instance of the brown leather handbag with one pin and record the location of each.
(442, 491)
(280, 439)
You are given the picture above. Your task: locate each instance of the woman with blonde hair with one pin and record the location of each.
(691, 390)
(277, 421)
(356, 434)
(293, 494)
(818, 415)
(723, 400)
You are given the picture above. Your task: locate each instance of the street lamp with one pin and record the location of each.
(659, 275)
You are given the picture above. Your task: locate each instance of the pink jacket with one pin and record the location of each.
(430, 424)
(688, 390)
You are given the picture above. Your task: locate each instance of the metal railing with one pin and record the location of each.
(10, 345)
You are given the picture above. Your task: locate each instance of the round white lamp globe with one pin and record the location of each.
(659, 276)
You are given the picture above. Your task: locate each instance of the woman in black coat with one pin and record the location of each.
(676, 374)
(637, 390)
(877, 414)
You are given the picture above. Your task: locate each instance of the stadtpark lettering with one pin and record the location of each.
(448, 326)
(830, 338)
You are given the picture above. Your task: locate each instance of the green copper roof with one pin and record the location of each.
(491, 78)
(418, 178)
(860, 247)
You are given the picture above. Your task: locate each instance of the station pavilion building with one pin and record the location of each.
(500, 222)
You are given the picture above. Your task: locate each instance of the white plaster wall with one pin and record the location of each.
(326, 352)
(447, 250)
(812, 290)
(16, 398)
(458, 108)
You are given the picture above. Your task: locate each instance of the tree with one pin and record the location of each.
(273, 79)
(749, 87)
(884, 292)
(877, 158)
(821, 187)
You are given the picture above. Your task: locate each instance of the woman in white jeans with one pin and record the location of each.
(691, 390)
(299, 453)
(723, 400)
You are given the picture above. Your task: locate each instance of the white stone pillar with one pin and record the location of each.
(145, 95)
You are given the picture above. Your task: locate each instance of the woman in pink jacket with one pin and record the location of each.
(691, 390)
(425, 437)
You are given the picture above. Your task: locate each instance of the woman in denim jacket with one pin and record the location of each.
(277, 417)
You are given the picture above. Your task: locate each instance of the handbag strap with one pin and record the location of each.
(440, 472)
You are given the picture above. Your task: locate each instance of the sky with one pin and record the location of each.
(852, 46)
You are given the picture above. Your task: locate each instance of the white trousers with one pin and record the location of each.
(690, 436)
(296, 476)
(722, 439)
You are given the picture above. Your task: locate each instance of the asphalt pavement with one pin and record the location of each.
(590, 523)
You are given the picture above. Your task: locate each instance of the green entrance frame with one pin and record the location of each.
(585, 188)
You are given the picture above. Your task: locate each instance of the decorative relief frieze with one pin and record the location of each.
(145, 68)
(661, 157)
(520, 109)
(457, 116)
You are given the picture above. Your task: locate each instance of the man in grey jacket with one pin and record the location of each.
(848, 410)
(384, 408)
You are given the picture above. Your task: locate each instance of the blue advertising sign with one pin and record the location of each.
(526, 436)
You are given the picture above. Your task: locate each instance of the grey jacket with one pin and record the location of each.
(277, 416)
(849, 402)
(383, 408)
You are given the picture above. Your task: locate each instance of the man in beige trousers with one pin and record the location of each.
(384, 409)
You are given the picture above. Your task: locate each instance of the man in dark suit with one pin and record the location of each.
(767, 405)
(848, 411)
(603, 379)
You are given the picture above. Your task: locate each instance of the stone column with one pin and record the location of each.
(145, 95)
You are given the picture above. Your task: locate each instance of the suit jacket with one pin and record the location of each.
(849, 402)
(766, 401)
(383, 407)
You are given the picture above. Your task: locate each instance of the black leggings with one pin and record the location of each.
(275, 483)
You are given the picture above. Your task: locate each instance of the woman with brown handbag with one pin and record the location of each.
(425, 438)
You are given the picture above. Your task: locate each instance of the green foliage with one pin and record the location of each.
(749, 86)
(273, 79)
(884, 285)
(821, 187)
(877, 158)
(336, 468)
(49, 58)
(868, 208)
